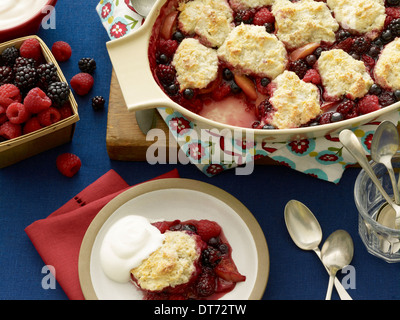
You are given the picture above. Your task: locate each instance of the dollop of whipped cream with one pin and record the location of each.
(126, 244)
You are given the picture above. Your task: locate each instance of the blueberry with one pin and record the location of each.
(387, 35)
(235, 88)
(227, 74)
(188, 93)
(268, 127)
(375, 89)
(336, 116)
(373, 51)
(269, 27)
(265, 81)
(311, 59)
(397, 94)
(162, 59)
(172, 89)
(178, 36)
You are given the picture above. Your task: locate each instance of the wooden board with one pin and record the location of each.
(125, 141)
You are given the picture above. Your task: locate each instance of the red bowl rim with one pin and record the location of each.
(24, 24)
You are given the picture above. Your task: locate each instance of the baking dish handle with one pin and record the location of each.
(129, 58)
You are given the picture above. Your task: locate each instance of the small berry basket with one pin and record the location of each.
(45, 137)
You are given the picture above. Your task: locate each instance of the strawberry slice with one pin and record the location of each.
(168, 27)
(247, 85)
(227, 270)
(303, 51)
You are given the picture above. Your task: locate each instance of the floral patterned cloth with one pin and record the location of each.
(324, 158)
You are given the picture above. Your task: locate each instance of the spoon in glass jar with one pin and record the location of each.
(353, 145)
(384, 146)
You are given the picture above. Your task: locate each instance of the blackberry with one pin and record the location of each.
(360, 45)
(98, 103)
(245, 16)
(58, 92)
(6, 75)
(47, 74)
(9, 55)
(342, 35)
(394, 27)
(299, 67)
(386, 98)
(87, 65)
(26, 78)
(23, 62)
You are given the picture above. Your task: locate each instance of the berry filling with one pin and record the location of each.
(249, 94)
(215, 272)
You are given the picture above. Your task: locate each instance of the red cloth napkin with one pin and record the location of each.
(58, 237)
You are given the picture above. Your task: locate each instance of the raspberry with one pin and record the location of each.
(263, 16)
(31, 48)
(17, 113)
(166, 74)
(31, 125)
(312, 76)
(49, 116)
(326, 118)
(87, 65)
(68, 164)
(393, 12)
(82, 83)
(65, 111)
(206, 283)
(345, 45)
(61, 50)
(168, 47)
(36, 101)
(223, 90)
(368, 104)
(9, 130)
(207, 229)
(9, 94)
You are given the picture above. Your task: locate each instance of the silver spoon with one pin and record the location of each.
(384, 146)
(336, 253)
(353, 145)
(306, 233)
(143, 7)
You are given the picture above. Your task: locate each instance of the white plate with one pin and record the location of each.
(183, 199)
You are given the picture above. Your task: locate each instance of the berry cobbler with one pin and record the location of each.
(278, 64)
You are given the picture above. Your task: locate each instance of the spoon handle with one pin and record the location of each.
(343, 294)
(330, 287)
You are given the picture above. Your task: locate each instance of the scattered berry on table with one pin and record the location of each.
(31, 48)
(82, 83)
(61, 50)
(98, 103)
(36, 101)
(58, 92)
(9, 55)
(68, 164)
(87, 65)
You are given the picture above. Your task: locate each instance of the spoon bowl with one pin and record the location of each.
(143, 7)
(306, 233)
(353, 145)
(336, 253)
(384, 146)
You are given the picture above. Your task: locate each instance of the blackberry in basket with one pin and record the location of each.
(6, 75)
(58, 92)
(87, 65)
(9, 55)
(23, 62)
(26, 78)
(47, 73)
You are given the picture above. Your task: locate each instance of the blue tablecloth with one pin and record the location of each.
(33, 188)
